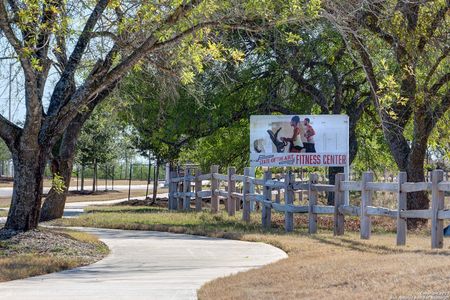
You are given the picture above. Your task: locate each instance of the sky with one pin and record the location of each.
(17, 90)
(16, 110)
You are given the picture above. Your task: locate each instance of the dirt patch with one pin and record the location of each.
(160, 202)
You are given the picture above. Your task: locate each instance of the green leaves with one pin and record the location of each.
(99, 137)
(58, 184)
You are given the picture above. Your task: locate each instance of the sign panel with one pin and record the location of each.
(299, 140)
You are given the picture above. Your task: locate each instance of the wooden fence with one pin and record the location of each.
(190, 186)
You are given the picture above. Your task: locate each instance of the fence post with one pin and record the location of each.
(401, 222)
(278, 196)
(237, 200)
(289, 199)
(366, 200)
(339, 200)
(266, 211)
(214, 187)
(187, 189)
(437, 203)
(312, 195)
(172, 190)
(179, 197)
(198, 188)
(245, 200)
(231, 189)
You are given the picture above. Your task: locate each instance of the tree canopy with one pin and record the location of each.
(191, 72)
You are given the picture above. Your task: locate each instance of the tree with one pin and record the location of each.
(41, 36)
(96, 145)
(97, 142)
(403, 49)
(227, 146)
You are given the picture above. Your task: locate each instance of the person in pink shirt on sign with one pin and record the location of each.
(296, 144)
(309, 134)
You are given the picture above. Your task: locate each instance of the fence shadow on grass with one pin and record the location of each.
(368, 247)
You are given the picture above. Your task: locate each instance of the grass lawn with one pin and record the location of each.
(3, 213)
(319, 266)
(45, 251)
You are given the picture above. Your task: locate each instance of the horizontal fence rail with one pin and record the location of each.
(191, 185)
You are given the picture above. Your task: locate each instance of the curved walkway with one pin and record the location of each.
(146, 265)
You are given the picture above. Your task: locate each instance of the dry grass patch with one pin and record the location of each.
(45, 251)
(319, 266)
(327, 267)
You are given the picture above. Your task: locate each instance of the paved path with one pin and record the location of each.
(146, 265)
(7, 191)
(74, 209)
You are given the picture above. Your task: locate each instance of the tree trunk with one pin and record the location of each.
(148, 175)
(353, 150)
(155, 182)
(332, 171)
(94, 177)
(126, 167)
(53, 207)
(54, 203)
(82, 178)
(416, 172)
(26, 200)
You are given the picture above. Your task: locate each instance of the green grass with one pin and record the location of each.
(3, 213)
(159, 219)
(204, 223)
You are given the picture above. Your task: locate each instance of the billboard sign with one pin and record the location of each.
(299, 140)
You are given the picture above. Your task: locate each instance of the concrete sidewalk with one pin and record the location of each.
(74, 209)
(146, 265)
(7, 191)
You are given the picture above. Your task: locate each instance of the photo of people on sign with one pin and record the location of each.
(298, 140)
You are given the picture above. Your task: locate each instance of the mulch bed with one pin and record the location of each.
(47, 242)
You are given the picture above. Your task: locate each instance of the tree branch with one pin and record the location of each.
(9, 132)
(435, 87)
(12, 38)
(43, 41)
(370, 21)
(437, 20)
(61, 88)
(433, 69)
(441, 109)
(310, 89)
